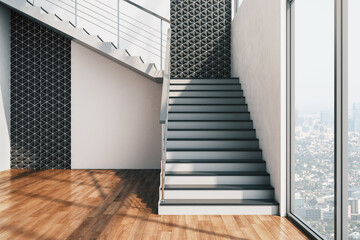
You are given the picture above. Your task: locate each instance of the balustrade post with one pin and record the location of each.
(161, 50)
(76, 13)
(118, 24)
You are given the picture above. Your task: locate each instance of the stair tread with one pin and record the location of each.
(215, 161)
(205, 104)
(217, 187)
(232, 78)
(215, 173)
(216, 140)
(235, 112)
(230, 130)
(206, 90)
(227, 121)
(214, 150)
(204, 97)
(219, 202)
(204, 84)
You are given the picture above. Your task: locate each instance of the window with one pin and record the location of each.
(354, 118)
(324, 117)
(314, 114)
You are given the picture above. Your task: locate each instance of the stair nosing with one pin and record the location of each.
(202, 129)
(227, 121)
(213, 149)
(204, 187)
(214, 173)
(217, 202)
(206, 90)
(171, 97)
(226, 140)
(205, 104)
(220, 161)
(235, 112)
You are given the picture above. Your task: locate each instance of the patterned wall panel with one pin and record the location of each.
(201, 38)
(40, 96)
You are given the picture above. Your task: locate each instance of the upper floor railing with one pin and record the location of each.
(124, 23)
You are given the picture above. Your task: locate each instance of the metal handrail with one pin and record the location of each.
(164, 111)
(116, 25)
(148, 11)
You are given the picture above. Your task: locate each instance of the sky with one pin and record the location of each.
(314, 55)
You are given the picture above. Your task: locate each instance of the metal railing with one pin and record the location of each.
(164, 111)
(122, 22)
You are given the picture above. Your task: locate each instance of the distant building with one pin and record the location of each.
(327, 118)
(354, 203)
(356, 116)
(328, 215)
(300, 202)
(351, 125)
(311, 214)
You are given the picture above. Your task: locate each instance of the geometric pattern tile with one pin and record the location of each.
(40, 96)
(200, 38)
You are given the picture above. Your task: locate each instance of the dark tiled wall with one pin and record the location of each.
(201, 38)
(40, 96)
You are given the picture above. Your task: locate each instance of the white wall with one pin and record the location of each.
(259, 60)
(115, 115)
(4, 88)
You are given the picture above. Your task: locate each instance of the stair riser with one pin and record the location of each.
(206, 94)
(219, 210)
(211, 134)
(214, 155)
(211, 125)
(213, 144)
(247, 167)
(204, 87)
(204, 81)
(207, 101)
(236, 108)
(262, 180)
(209, 116)
(219, 194)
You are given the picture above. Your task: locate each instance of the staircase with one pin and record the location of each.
(81, 36)
(213, 161)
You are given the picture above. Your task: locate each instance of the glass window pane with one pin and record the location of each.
(354, 119)
(314, 115)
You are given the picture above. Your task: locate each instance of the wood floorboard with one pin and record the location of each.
(112, 204)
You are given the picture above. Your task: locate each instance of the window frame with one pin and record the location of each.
(340, 121)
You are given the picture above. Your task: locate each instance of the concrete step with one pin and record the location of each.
(221, 101)
(206, 154)
(221, 165)
(209, 116)
(211, 177)
(208, 108)
(211, 134)
(220, 94)
(203, 87)
(218, 207)
(218, 191)
(233, 125)
(212, 144)
(231, 81)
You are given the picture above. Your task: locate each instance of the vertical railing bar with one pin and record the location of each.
(76, 12)
(118, 24)
(161, 50)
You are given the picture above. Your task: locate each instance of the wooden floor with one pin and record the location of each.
(106, 204)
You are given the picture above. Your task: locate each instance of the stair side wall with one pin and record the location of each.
(4, 88)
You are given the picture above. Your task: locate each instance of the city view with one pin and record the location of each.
(314, 171)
